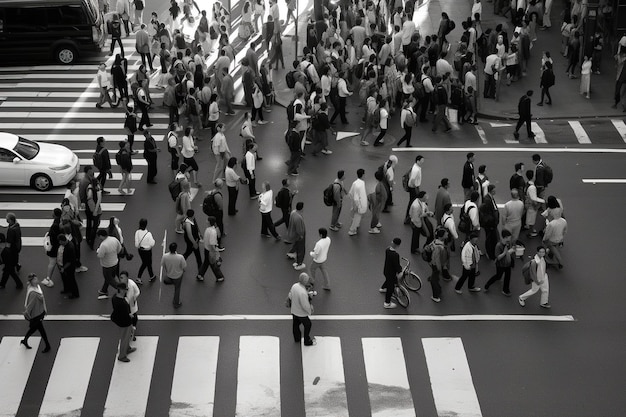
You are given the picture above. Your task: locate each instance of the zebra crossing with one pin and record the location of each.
(258, 376)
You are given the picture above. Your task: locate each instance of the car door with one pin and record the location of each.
(11, 173)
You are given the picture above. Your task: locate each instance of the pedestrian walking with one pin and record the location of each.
(150, 151)
(7, 257)
(296, 234)
(108, 253)
(553, 236)
(512, 216)
(183, 204)
(525, 116)
(102, 160)
(489, 218)
(338, 194)
(142, 46)
(122, 317)
(266, 204)
(440, 98)
(66, 262)
(343, 94)
(468, 180)
(130, 126)
(118, 73)
(211, 251)
(283, 201)
(585, 77)
(407, 121)
(125, 162)
(34, 311)
(174, 266)
(442, 199)
(376, 202)
(188, 150)
(543, 175)
(539, 278)
(93, 209)
(358, 197)
(440, 257)
(192, 237)
(213, 205)
(547, 81)
(132, 294)
(144, 242)
(220, 149)
(420, 224)
(389, 175)
(414, 183)
(115, 29)
(143, 103)
(299, 302)
(319, 127)
(139, 6)
(469, 258)
(294, 142)
(392, 270)
(232, 184)
(532, 203)
(51, 245)
(504, 253)
(383, 123)
(173, 148)
(122, 7)
(320, 256)
(573, 55)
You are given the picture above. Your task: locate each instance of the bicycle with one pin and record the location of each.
(410, 279)
(401, 295)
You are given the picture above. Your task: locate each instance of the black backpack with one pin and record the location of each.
(291, 112)
(175, 188)
(548, 175)
(97, 158)
(290, 79)
(209, 205)
(465, 222)
(329, 195)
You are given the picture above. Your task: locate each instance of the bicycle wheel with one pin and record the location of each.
(412, 281)
(402, 296)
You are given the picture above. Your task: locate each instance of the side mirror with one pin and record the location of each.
(16, 160)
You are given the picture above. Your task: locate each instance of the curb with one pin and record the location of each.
(492, 116)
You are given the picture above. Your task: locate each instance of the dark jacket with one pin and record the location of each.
(392, 264)
(105, 157)
(69, 255)
(283, 199)
(14, 237)
(121, 312)
(524, 107)
(54, 231)
(468, 175)
(539, 175)
(547, 78)
(124, 160)
(489, 216)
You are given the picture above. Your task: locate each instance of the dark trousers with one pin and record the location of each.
(145, 118)
(256, 111)
(294, 161)
(434, 282)
(109, 273)
(424, 103)
(415, 236)
(145, 57)
(501, 270)
(306, 322)
(102, 177)
(9, 271)
(173, 114)
(146, 262)
(380, 136)
(469, 275)
(214, 266)
(267, 225)
(122, 87)
(412, 196)
(406, 137)
(520, 122)
(545, 91)
(93, 222)
(36, 324)
(68, 276)
(119, 41)
(176, 283)
(490, 86)
(151, 158)
(389, 284)
(284, 218)
(298, 249)
(196, 252)
(251, 184)
(232, 200)
(340, 111)
(334, 220)
(491, 239)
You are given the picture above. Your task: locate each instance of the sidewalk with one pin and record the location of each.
(568, 102)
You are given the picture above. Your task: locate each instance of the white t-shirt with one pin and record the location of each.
(384, 117)
(320, 251)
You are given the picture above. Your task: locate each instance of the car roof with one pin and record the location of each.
(8, 140)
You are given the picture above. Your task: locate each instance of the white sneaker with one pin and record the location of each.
(521, 302)
(390, 305)
(374, 231)
(47, 282)
(82, 268)
(299, 267)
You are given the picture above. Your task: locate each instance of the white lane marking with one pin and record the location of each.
(52, 105)
(16, 363)
(90, 138)
(515, 150)
(540, 137)
(69, 380)
(106, 114)
(319, 317)
(135, 176)
(67, 68)
(258, 377)
(62, 125)
(343, 135)
(130, 382)
(57, 94)
(163, 250)
(136, 161)
(499, 124)
(51, 206)
(193, 385)
(450, 377)
(604, 181)
(324, 380)
(54, 191)
(620, 126)
(387, 380)
(481, 134)
(579, 131)
(26, 223)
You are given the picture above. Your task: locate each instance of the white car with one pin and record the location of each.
(38, 165)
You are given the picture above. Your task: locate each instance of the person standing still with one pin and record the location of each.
(211, 252)
(392, 271)
(93, 210)
(174, 266)
(415, 181)
(377, 201)
(320, 256)
(358, 196)
(122, 317)
(125, 162)
(7, 257)
(301, 309)
(115, 28)
(266, 204)
(468, 179)
(249, 170)
(220, 149)
(34, 311)
(338, 193)
(102, 161)
(524, 115)
(439, 259)
(283, 201)
(150, 150)
(142, 46)
(192, 237)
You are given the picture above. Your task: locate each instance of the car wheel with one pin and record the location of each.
(41, 182)
(66, 55)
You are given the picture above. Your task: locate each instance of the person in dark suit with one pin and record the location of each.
(392, 271)
(66, 260)
(489, 219)
(524, 115)
(469, 177)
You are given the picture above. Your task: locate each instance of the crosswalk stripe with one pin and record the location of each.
(135, 176)
(56, 94)
(137, 162)
(54, 191)
(620, 126)
(16, 363)
(69, 380)
(258, 356)
(71, 115)
(44, 223)
(450, 377)
(62, 125)
(193, 385)
(322, 370)
(580, 133)
(130, 382)
(14, 206)
(387, 379)
(540, 137)
(65, 68)
(481, 134)
(49, 104)
(87, 137)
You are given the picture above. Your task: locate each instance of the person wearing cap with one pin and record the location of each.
(34, 311)
(442, 198)
(122, 316)
(469, 258)
(392, 270)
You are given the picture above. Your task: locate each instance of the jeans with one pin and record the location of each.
(93, 222)
(176, 282)
(469, 275)
(306, 322)
(334, 220)
(125, 333)
(315, 266)
(390, 285)
(146, 262)
(36, 324)
(501, 270)
(434, 282)
(267, 225)
(109, 273)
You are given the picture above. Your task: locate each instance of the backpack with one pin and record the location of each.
(441, 97)
(420, 91)
(526, 272)
(97, 158)
(451, 26)
(548, 175)
(405, 179)
(465, 222)
(329, 195)
(175, 188)
(291, 112)
(209, 205)
(427, 252)
(290, 79)
(456, 96)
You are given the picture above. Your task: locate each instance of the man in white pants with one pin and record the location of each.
(540, 279)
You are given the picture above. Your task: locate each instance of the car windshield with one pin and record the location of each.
(26, 148)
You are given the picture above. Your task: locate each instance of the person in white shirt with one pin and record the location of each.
(220, 149)
(104, 84)
(447, 222)
(320, 255)
(469, 258)
(532, 203)
(266, 204)
(188, 151)
(299, 301)
(512, 215)
(408, 28)
(358, 195)
(384, 119)
(144, 242)
(415, 181)
(471, 208)
(344, 93)
(131, 298)
(249, 170)
(539, 279)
